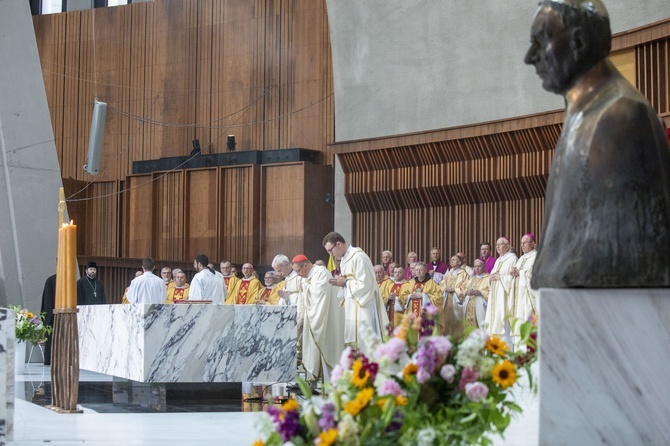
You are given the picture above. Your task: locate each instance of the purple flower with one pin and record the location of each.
(287, 423)
(427, 325)
(422, 376)
(390, 350)
(327, 420)
(447, 372)
(274, 413)
(389, 387)
(396, 423)
(442, 346)
(290, 426)
(425, 357)
(476, 391)
(467, 376)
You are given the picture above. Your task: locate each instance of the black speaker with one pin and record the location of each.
(231, 143)
(196, 147)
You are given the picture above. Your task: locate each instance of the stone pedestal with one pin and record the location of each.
(7, 348)
(189, 343)
(604, 361)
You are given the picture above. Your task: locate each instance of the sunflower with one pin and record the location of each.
(360, 376)
(30, 315)
(409, 370)
(362, 399)
(327, 438)
(259, 442)
(400, 400)
(290, 405)
(504, 373)
(497, 346)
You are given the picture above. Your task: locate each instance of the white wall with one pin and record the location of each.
(403, 66)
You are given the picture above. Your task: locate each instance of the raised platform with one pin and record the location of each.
(603, 357)
(189, 343)
(227, 159)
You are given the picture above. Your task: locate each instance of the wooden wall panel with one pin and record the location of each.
(239, 207)
(170, 215)
(76, 198)
(201, 212)
(294, 213)
(140, 216)
(283, 210)
(653, 73)
(625, 62)
(175, 70)
(319, 214)
(101, 227)
(452, 229)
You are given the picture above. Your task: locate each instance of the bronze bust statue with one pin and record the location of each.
(607, 211)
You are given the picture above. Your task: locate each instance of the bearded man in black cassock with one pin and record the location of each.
(90, 291)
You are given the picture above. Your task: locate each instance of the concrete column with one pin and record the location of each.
(29, 171)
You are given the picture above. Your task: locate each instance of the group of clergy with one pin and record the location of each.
(207, 285)
(494, 293)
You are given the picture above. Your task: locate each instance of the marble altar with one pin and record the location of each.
(603, 357)
(189, 343)
(7, 348)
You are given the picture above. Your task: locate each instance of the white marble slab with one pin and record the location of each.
(7, 349)
(189, 343)
(604, 367)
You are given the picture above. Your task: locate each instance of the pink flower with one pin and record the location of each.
(476, 391)
(346, 359)
(447, 372)
(422, 376)
(336, 374)
(390, 387)
(467, 376)
(391, 350)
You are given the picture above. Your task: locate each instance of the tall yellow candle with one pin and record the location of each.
(71, 265)
(60, 270)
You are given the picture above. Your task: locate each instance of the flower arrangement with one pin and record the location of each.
(30, 326)
(416, 388)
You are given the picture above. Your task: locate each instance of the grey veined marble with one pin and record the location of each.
(189, 343)
(604, 361)
(7, 351)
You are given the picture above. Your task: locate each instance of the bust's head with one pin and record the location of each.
(567, 39)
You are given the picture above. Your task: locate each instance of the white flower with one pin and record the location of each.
(485, 366)
(369, 341)
(447, 373)
(348, 430)
(469, 351)
(425, 437)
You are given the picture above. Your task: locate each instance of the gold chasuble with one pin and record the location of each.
(432, 291)
(269, 295)
(246, 292)
(175, 294)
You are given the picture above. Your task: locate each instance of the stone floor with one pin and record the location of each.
(102, 424)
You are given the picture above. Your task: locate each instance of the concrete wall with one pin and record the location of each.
(29, 171)
(405, 66)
